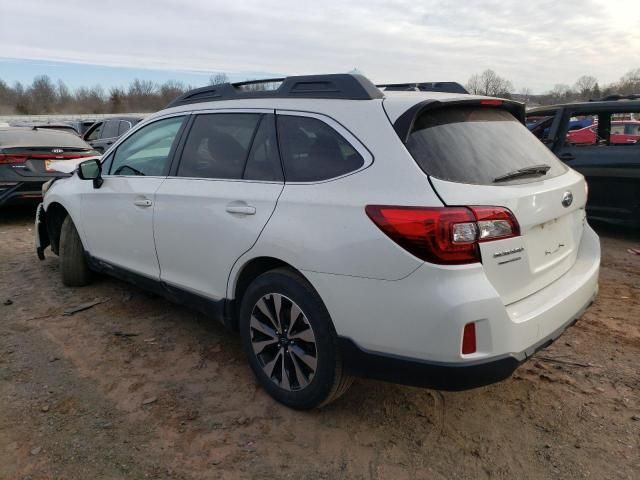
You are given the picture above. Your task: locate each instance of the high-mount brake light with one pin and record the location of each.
(444, 235)
(491, 102)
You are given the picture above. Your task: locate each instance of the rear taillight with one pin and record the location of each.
(22, 158)
(10, 158)
(444, 235)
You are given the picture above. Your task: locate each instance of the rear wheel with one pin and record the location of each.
(73, 263)
(290, 342)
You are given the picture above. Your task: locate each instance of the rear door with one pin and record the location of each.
(610, 166)
(466, 151)
(218, 198)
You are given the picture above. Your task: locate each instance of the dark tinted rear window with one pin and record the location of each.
(27, 137)
(218, 145)
(476, 145)
(312, 150)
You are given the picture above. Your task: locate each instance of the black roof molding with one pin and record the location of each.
(344, 86)
(445, 87)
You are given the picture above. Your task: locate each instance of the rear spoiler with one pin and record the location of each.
(405, 122)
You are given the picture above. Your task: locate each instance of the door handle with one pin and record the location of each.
(143, 202)
(567, 156)
(241, 208)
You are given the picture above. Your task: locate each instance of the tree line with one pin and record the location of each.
(44, 96)
(585, 88)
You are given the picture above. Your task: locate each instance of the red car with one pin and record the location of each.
(623, 132)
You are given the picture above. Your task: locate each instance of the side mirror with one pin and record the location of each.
(91, 170)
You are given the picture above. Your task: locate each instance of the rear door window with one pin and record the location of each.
(218, 145)
(313, 151)
(477, 145)
(263, 162)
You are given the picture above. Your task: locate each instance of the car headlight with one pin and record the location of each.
(46, 185)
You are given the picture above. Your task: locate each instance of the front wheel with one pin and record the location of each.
(73, 263)
(290, 342)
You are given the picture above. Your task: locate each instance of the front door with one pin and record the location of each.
(117, 218)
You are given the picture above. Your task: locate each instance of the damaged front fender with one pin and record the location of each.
(41, 233)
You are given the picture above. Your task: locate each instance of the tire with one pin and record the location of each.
(311, 342)
(73, 263)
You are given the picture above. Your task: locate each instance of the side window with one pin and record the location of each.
(146, 152)
(95, 133)
(110, 129)
(124, 126)
(604, 129)
(263, 162)
(218, 145)
(312, 150)
(583, 130)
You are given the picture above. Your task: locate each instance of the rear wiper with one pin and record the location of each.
(541, 169)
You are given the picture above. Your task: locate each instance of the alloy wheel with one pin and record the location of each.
(283, 341)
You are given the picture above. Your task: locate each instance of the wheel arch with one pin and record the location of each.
(55, 215)
(247, 273)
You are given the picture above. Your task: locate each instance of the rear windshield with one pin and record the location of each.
(27, 137)
(477, 145)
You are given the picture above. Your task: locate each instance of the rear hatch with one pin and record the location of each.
(480, 154)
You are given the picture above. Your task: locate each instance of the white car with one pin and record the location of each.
(415, 236)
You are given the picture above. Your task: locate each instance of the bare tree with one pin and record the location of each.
(43, 94)
(629, 83)
(584, 86)
(560, 93)
(489, 83)
(218, 78)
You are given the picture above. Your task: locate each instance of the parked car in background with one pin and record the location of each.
(26, 159)
(606, 151)
(623, 132)
(414, 236)
(82, 125)
(103, 133)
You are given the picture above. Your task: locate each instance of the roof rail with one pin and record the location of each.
(445, 87)
(343, 86)
(608, 98)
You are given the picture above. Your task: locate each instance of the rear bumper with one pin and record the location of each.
(440, 376)
(410, 330)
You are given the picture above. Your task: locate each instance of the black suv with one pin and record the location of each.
(104, 132)
(601, 140)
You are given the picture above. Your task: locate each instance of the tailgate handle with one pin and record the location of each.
(567, 156)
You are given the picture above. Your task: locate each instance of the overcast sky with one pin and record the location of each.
(535, 44)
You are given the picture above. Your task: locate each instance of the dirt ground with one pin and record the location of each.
(136, 387)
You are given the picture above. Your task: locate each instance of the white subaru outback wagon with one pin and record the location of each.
(411, 233)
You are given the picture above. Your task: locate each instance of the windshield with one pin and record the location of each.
(477, 145)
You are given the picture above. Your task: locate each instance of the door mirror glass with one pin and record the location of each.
(91, 170)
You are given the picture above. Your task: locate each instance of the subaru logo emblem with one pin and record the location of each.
(57, 150)
(567, 199)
